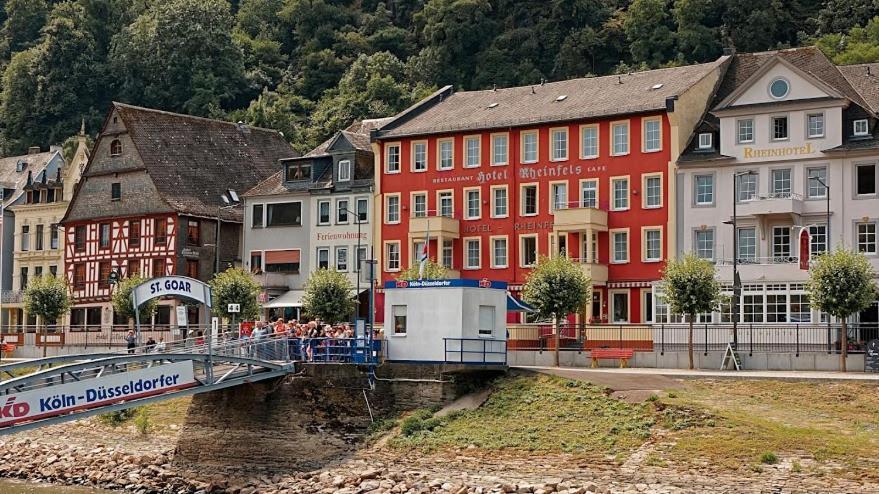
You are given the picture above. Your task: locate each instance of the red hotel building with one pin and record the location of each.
(496, 178)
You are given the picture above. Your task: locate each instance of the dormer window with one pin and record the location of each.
(20, 165)
(705, 141)
(115, 147)
(861, 127)
(344, 170)
(298, 171)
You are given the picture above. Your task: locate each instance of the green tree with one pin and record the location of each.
(698, 29)
(839, 16)
(235, 286)
(48, 298)
(690, 288)
(555, 288)
(123, 303)
(24, 19)
(841, 284)
(432, 271)
(284, 111)
(328, 296)
(649, 29)
(860, 45)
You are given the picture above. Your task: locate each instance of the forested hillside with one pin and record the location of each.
(308, 67)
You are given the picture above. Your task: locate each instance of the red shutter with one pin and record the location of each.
(282, 256)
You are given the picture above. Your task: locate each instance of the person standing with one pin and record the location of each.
(130, 341)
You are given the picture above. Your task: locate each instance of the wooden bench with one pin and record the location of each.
(622, 354)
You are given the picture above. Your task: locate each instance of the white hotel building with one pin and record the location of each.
(784, 124)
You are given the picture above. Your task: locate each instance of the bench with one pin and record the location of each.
(622, 354)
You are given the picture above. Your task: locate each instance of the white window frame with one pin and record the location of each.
(612, 307)
(329, 205)
(412, 202)
(416, 168)
(389, 259)
(809, 134)
(522, 250)
(466, 243)
(494, 204)
(388, 220)
(467, 154)
(740, 243)
(595, 182)
(439, 202)
(772, 120)
(388, 169)
(739, 125)
(870, 248)
(697, 248)
(696, 191)
(644, 245)
(340, 209)
(342, 249)
(522, 204)
(492, 243)
(623, 124)
(320, 250)
(860, 127)
(440, 165)
(494, 158)
(553, 187)
(706, 140)
(583, 154)
(613, 245)
(357, 202)
(467, 191)
(875, 177)
(613, 194)
(646, 191)
(553, 150)
(644, 132)
(780, 250)
(810, 179)
(344, 165)
(777, 173)
(536, 135)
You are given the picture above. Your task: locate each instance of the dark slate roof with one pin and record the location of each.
(193, 160)
(33, 164)
(592, 97)
(865, 79)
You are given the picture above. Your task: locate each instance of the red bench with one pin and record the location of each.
(622, 354)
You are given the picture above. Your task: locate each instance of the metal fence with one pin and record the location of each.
(475, 351)
(98, 337)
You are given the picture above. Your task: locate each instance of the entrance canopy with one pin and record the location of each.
(516, 305)
(291, 298)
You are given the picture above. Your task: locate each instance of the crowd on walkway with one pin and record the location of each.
(307, 341)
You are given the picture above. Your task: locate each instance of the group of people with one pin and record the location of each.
(150, 346)
(312, 340)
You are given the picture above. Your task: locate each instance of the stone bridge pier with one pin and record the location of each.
(302, 422)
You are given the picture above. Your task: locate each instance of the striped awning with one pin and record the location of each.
(629, 284)
(516, 305)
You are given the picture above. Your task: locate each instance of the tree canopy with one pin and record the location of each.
(47, 297)
(235, 286)
(123, 304)
(328, 296)
(690, 288)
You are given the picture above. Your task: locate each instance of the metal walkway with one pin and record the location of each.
(51, 390)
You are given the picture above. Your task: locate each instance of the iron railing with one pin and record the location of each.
(482, 351)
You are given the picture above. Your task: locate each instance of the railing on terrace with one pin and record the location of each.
(761, 260)
(475, 351)
(773, 195)
(752, 337)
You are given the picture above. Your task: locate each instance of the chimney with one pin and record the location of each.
(33, 150)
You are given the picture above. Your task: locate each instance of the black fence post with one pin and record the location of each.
(706, 341)
(798, 340)
(829, 343)
(621, 336)
(662, 339)
(751, 337)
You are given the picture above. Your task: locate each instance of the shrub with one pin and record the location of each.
(768, 458)
(142, 422)
(117, 417)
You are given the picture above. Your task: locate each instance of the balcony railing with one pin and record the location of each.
(576, 217)
(448, 227)
(761, 260)
(595, 270)
(773, 203)
(12, 296)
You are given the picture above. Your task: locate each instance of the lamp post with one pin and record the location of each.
(737, 282)
(827, 196)
(357, 270)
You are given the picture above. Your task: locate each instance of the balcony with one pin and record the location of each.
(12, 296)
(436, 226)
(575, 218)
(596, 272)
(784, 203)
(763, 268)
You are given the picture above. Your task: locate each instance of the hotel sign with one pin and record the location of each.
(779, 152)
(526, 172)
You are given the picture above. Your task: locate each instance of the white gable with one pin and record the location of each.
(800, 87)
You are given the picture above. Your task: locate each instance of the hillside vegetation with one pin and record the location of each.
(308, 67)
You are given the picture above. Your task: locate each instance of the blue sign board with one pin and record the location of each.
(483, 283)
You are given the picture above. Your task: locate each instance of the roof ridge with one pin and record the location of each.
(190, 117)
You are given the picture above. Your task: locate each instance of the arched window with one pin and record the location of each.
(115, 147)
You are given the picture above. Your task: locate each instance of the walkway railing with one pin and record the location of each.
(475, 351)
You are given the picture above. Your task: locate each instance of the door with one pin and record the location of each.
(596, 306)
(868, 326)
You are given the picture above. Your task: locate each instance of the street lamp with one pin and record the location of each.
(827, 196)
(737, 282)
(357, 269)
(230, 200)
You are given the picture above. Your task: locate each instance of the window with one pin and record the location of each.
(653, 135)
(23, 278)
(392, 209)
(256, 219)
(419, 205)
(419, 156)
(344, 170)
(704, 189)
(747, 243)
(392, 256)
(255, 262)
(297, 171)
(53, 271)
(620, 144)
(115, 147)
(115, 191)
(817, 182)
(704, 243)
(747, 187)
(399, 312)
(471, 152)
(79, 235)
(486, 320)
(342, 211)
(158, 268)
(559, 144)
(25, 238)
(589, 193)
(323, 258)
(781, 244)
(776, 307)
(529, 147)
(323, 212)
(472, 253)
(817, 239)
(816, 125)
(781, 186)
(104, 235)
(392, 158)
(284, 214)
(866, 178)
(446, 204)
(559, 196)
(620, 302)
(79, 276)
(861, 127)
(752, 308)
(528, 250)
(341, 258)
(620, 246)
(867, 238)
(193, 236)
(800, 310)
(39, 237)
(499, 149)
(648, 305)
(779, 128)
(474, 203)
(652, 245)
(745, 131)
(779, 88)
(53, 236)
(282, 261)
(620, 193)
(589, 141)
(499, 252)
(192, 268)
(447, 254)
(529, 200)
(653, 191)
(446, 157)
(499, 202)
(161, 231)
(362, 210)
(134, 234)
(705, 141)
(361, 259)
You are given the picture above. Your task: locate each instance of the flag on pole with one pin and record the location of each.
(423, 257)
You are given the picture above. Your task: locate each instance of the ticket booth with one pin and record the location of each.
(446, 321)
